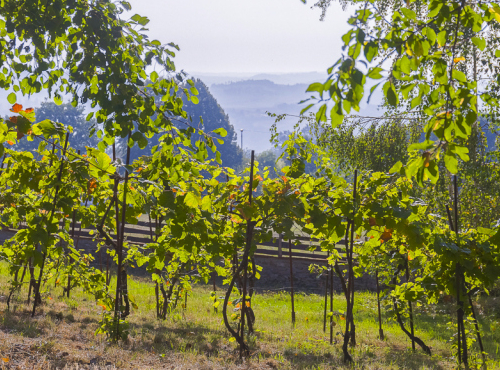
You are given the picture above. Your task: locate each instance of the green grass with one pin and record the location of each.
(196, 335)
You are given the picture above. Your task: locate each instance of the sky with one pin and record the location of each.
(246, 36)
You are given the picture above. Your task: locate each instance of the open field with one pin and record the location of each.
(62, 334)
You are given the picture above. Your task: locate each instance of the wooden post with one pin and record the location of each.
(412, 329)
(244, 261)
(120, 239)
(331, 305)
(215, 291)
(108, 276)
(349, 325)
(478, 334)
(280, 246)
(72, 237)
(460, 278)
(326, 291)
(291, 279)
(380, 330)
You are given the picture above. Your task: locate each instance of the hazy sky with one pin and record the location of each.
(246, 36)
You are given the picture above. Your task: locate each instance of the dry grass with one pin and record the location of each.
(62, 335)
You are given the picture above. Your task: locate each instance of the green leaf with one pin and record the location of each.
(336, 115)
(479, 42)
(12, 98)
(57, 99)
(371, 50)
(154, 76)
(321, 114)
(391, 96)
(374, 73)
(462, 151)
(191, 200)
(441, 38)
(396, 168)
(404, 64)
(306, 108)
(459, 75)
(221, 131)
(206, 203)
(431, 35)
(451, 163)
(315, 87)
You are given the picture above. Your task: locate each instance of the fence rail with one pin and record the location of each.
(142, 233)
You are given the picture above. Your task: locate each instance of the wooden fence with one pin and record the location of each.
(142, 233)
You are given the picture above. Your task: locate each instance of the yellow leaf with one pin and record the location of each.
(496, 13)
(408, 50)
(459, 59)
(5, 359)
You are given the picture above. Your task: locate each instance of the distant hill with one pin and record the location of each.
(277, 78)
(246, 102)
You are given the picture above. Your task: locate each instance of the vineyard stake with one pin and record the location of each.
(215, 291)
(244, 261)
(157, 293)
(380, 330)
(108, 276)
(460, 277)
(291, 279)
(36, 289)
(350, 284)
(459, 351)
(326, 292)
(117, 209)
(32, 278)
(331, 305)
(73, 237)
(478, 333)
(412, 330)
(120, 239)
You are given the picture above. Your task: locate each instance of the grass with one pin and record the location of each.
(62, 334)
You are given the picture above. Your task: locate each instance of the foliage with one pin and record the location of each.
(68, 116)
(431, 72)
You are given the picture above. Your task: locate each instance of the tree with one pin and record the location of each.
(206, 114)
(438, 59)
(369, 145)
